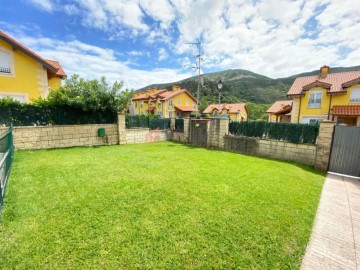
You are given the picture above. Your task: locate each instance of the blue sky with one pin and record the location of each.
(144, 42)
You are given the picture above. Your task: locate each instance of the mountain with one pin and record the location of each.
(242, 86)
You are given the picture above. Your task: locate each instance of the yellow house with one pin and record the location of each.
(168, 104)
(327, 96)
(236, 111)
(280, 111)
(23, 73)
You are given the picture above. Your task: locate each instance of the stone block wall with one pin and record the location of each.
(46, 137)
(324, 145)
(301, 153)
(145, 135)
(179, 136)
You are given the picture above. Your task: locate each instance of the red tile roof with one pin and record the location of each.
(51, 65)
(152, 95)
(336, 81)
(185, 109)
(346, 110)
(163, 94)
(150, 109)
(279, 106)
(232, 108)
(171, 94)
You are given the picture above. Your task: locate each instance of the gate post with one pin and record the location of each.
(323, 146)
(186, 129)
(121, 128)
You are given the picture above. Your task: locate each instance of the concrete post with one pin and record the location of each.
(218, 128)
(186, 128)
(223, 130)
(121, 128)
(323, 145)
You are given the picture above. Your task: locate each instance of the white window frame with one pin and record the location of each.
(355, 95)
(11, 60)
(159, 114)
(170, 114)
(159, 105)
(312, 101)
(22, 97)
(170, 103)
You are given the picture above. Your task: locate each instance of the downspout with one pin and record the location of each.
(299, 110)
(328, 118)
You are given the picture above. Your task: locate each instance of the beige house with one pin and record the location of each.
(280, 111)
(235, 111)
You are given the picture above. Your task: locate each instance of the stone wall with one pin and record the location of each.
(217, 129)
(301, 153)
(179, 136)
(324, 145)
(46, 137)
(145, 135)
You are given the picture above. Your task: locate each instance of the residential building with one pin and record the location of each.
(332, 96)
(280, 111)
(25, 75)
(235, 111)
(177, 103)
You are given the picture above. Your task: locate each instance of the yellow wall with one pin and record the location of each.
(29, 77)
(179, 100)
(338, 99)
(54, 82)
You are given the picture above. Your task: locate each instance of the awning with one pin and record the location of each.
(346, 110)
(185, 109)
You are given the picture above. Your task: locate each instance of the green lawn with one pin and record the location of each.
(156, 206)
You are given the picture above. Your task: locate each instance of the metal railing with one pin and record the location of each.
(6, 159)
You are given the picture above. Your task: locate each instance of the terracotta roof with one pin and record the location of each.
(334, 80)
(185, 109)
(51, 65)
(171, 94)
(152, 95)
(150, 109)
(279, 106)
(60, 72)
(232, 108)
(346, 110)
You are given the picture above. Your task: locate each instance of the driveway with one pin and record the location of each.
(335, 239)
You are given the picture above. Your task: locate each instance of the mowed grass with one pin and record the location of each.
(156, 206)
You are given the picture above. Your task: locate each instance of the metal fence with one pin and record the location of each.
(6, 158)
(144, 121)
(288, 132)
(179, 124)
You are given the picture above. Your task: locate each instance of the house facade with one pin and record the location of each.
(25, 75)
(235, 111)
(327, 96)
(280, 111)
(177, 103)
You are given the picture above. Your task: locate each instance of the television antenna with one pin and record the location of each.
(198, 68)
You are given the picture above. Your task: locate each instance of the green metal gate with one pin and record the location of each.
(345, 151)
(6, 158)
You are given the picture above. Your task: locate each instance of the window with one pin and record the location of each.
(355, 95)
(315, 99)
(142, 104)
(170, 114)
(187, 103)
(20, 98)
(135, 104)
(6, 63)
(159, 104)
(159, 114)
(170, 103)
(194, 105)
(312, 120)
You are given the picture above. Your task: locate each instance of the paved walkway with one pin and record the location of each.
(335, 239)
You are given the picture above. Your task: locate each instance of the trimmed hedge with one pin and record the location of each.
(289, 132)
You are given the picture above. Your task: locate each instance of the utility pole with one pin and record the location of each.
(197, 67)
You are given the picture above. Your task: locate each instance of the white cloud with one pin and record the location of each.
(163, 54)
(42, 4)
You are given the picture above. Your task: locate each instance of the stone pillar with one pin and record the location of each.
(172, 123)
(323, 145)
(223, 130)
(121, 128)
(186, 129)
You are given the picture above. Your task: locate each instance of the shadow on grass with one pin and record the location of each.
(305, 167)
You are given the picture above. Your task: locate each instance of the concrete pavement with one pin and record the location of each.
(335, 239)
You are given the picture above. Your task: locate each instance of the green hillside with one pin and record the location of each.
(242, 86)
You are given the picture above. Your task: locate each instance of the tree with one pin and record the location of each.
(90, 95)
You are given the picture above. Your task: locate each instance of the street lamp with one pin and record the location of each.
(219, 86)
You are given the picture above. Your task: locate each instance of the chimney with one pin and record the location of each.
(324, 70)
(176, 88)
